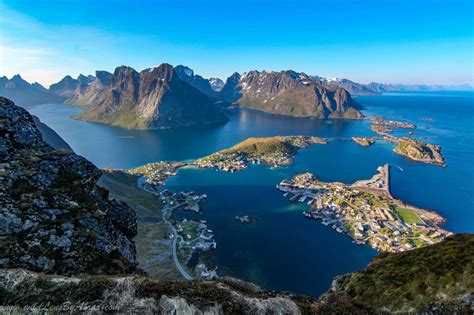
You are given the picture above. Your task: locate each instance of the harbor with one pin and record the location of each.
(366, 211)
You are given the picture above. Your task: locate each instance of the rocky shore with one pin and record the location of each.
(364, 141)
(418, 150)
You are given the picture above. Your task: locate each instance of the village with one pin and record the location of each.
(366, 212)
(237, 161)
(190, 237)
(157, 173)
(273, 151)
(381, 121)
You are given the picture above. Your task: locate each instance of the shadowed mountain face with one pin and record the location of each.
(204, 86)
(26, 94)
(53, 216)
(154, 98)
(67, 86)
(289, 93)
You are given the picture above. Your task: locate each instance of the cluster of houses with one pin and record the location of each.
(157, 173)
(378, 120)
(196, 236)
(366, 217)
(238, 160)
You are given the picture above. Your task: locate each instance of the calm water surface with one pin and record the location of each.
(283, 250)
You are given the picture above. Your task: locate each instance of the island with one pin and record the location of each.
(366, 211)
(381, 130)
(418, 150)
(381, 121)
(273, 151)
(364, 141)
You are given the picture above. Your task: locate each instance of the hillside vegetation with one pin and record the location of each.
(440, 274)
(263, 146)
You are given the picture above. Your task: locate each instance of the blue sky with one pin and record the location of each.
(394, 41)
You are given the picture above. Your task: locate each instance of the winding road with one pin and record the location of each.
(164, 212)
(183, 272)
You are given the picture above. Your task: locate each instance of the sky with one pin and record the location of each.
(389, 41)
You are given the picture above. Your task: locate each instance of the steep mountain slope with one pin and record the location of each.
(154, 98)
(53, 216)
(289, 93)
(26, 94)
(204, 86)
(50, 136)
(216, 84)
(68, 86)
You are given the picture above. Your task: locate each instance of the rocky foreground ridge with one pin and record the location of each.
(66, 247)
(53, 216)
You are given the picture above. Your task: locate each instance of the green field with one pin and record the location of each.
(408, 215)
(417, 242)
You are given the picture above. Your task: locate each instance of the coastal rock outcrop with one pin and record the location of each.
(53, 216)
(289, 93)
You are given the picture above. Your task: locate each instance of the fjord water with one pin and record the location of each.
(283, 250)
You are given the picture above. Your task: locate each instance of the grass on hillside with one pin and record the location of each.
(263, 145)
(443, 272)
(123, 186)
(152, 241)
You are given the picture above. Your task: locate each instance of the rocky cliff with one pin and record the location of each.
(154, 98)
(50, 136)
(289, 93)
(203, 85)
(53, 216)
(68, 86)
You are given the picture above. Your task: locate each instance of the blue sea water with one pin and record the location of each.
(282, 250)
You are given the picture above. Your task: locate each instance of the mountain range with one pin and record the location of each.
(150, 99)
(26, 94)
(289, 93)
(166, 96)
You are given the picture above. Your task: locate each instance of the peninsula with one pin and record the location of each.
(418, 150)
(273, 151)
(367, 212)
(381, 121)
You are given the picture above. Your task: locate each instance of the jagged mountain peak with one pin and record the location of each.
(103, 77)
(185, 70)
(288, 92)
(154, 98)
